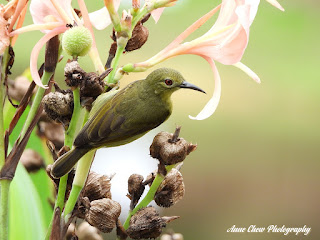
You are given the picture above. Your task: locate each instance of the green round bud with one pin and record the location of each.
(77, 41)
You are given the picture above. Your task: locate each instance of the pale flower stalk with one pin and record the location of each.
(225, 42)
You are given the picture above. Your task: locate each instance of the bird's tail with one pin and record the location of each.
(65, 163)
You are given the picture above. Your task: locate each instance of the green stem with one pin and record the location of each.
(149, 197)
(68, 141)
(4, 191)
(114, 65)
(4, 183)
(79, 181)
(70, 133)
(36, 102)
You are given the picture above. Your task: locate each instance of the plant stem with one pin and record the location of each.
(4, 191)
(80, 178)
(36, 102)
(114, 65)
(70, 133)
(68, 141)
(79, 181)
(4, 183)
(149, 197)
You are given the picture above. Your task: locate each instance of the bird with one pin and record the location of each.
(122, 116)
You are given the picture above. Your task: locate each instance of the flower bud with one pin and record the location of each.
(147, 223)
(77, 41)
(97, 187)
(171, 190)
(31, 160)
(59, 106)
(170, 152)
(103, 214)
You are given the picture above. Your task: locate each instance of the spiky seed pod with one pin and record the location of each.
(77, 41)
(74, 74)
(59, 106)
(103, 214)
(170, 152)
(147, 223)
(87, 232)
(98, 186)
(171, 190)
(135, 188)
(92, 86)
(31, 160)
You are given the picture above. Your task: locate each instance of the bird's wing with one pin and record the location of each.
(112, 123)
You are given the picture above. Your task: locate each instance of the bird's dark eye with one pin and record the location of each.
(168, 82)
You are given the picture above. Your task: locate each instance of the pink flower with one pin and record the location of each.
(51, 17)
(225, 42)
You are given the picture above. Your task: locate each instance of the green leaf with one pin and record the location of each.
(26, 216)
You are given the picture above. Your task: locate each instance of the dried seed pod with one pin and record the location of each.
(171, 190)
(71, 232)
(139, 37)
(18, 87)
(97, 187)
(59, 106)
(103, 214)
(87, 232)
(31, 160)
(169, 151)
(147, 223)
(92, 86)
(135, 188)
(74, 74)
(53, 132)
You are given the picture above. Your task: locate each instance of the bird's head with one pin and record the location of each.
(165, 81)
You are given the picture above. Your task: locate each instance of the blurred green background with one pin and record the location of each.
(257, 161)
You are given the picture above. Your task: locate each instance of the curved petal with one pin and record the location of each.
(35, 53)
(228, 46)
(100, 19)
(40, 9)
(156, 14)
(212, 105)
(248, 71)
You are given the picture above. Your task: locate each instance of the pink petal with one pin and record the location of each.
(35, 53)
(248, 71)
(191, 29)
(39, 9)
(4, 37)
(212, 105)
(276, 4)
(100, 19)
(157, 13)
(228, 46)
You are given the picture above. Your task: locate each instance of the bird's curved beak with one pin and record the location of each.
(185, 84)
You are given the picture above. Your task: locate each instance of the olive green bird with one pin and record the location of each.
(120, 117)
